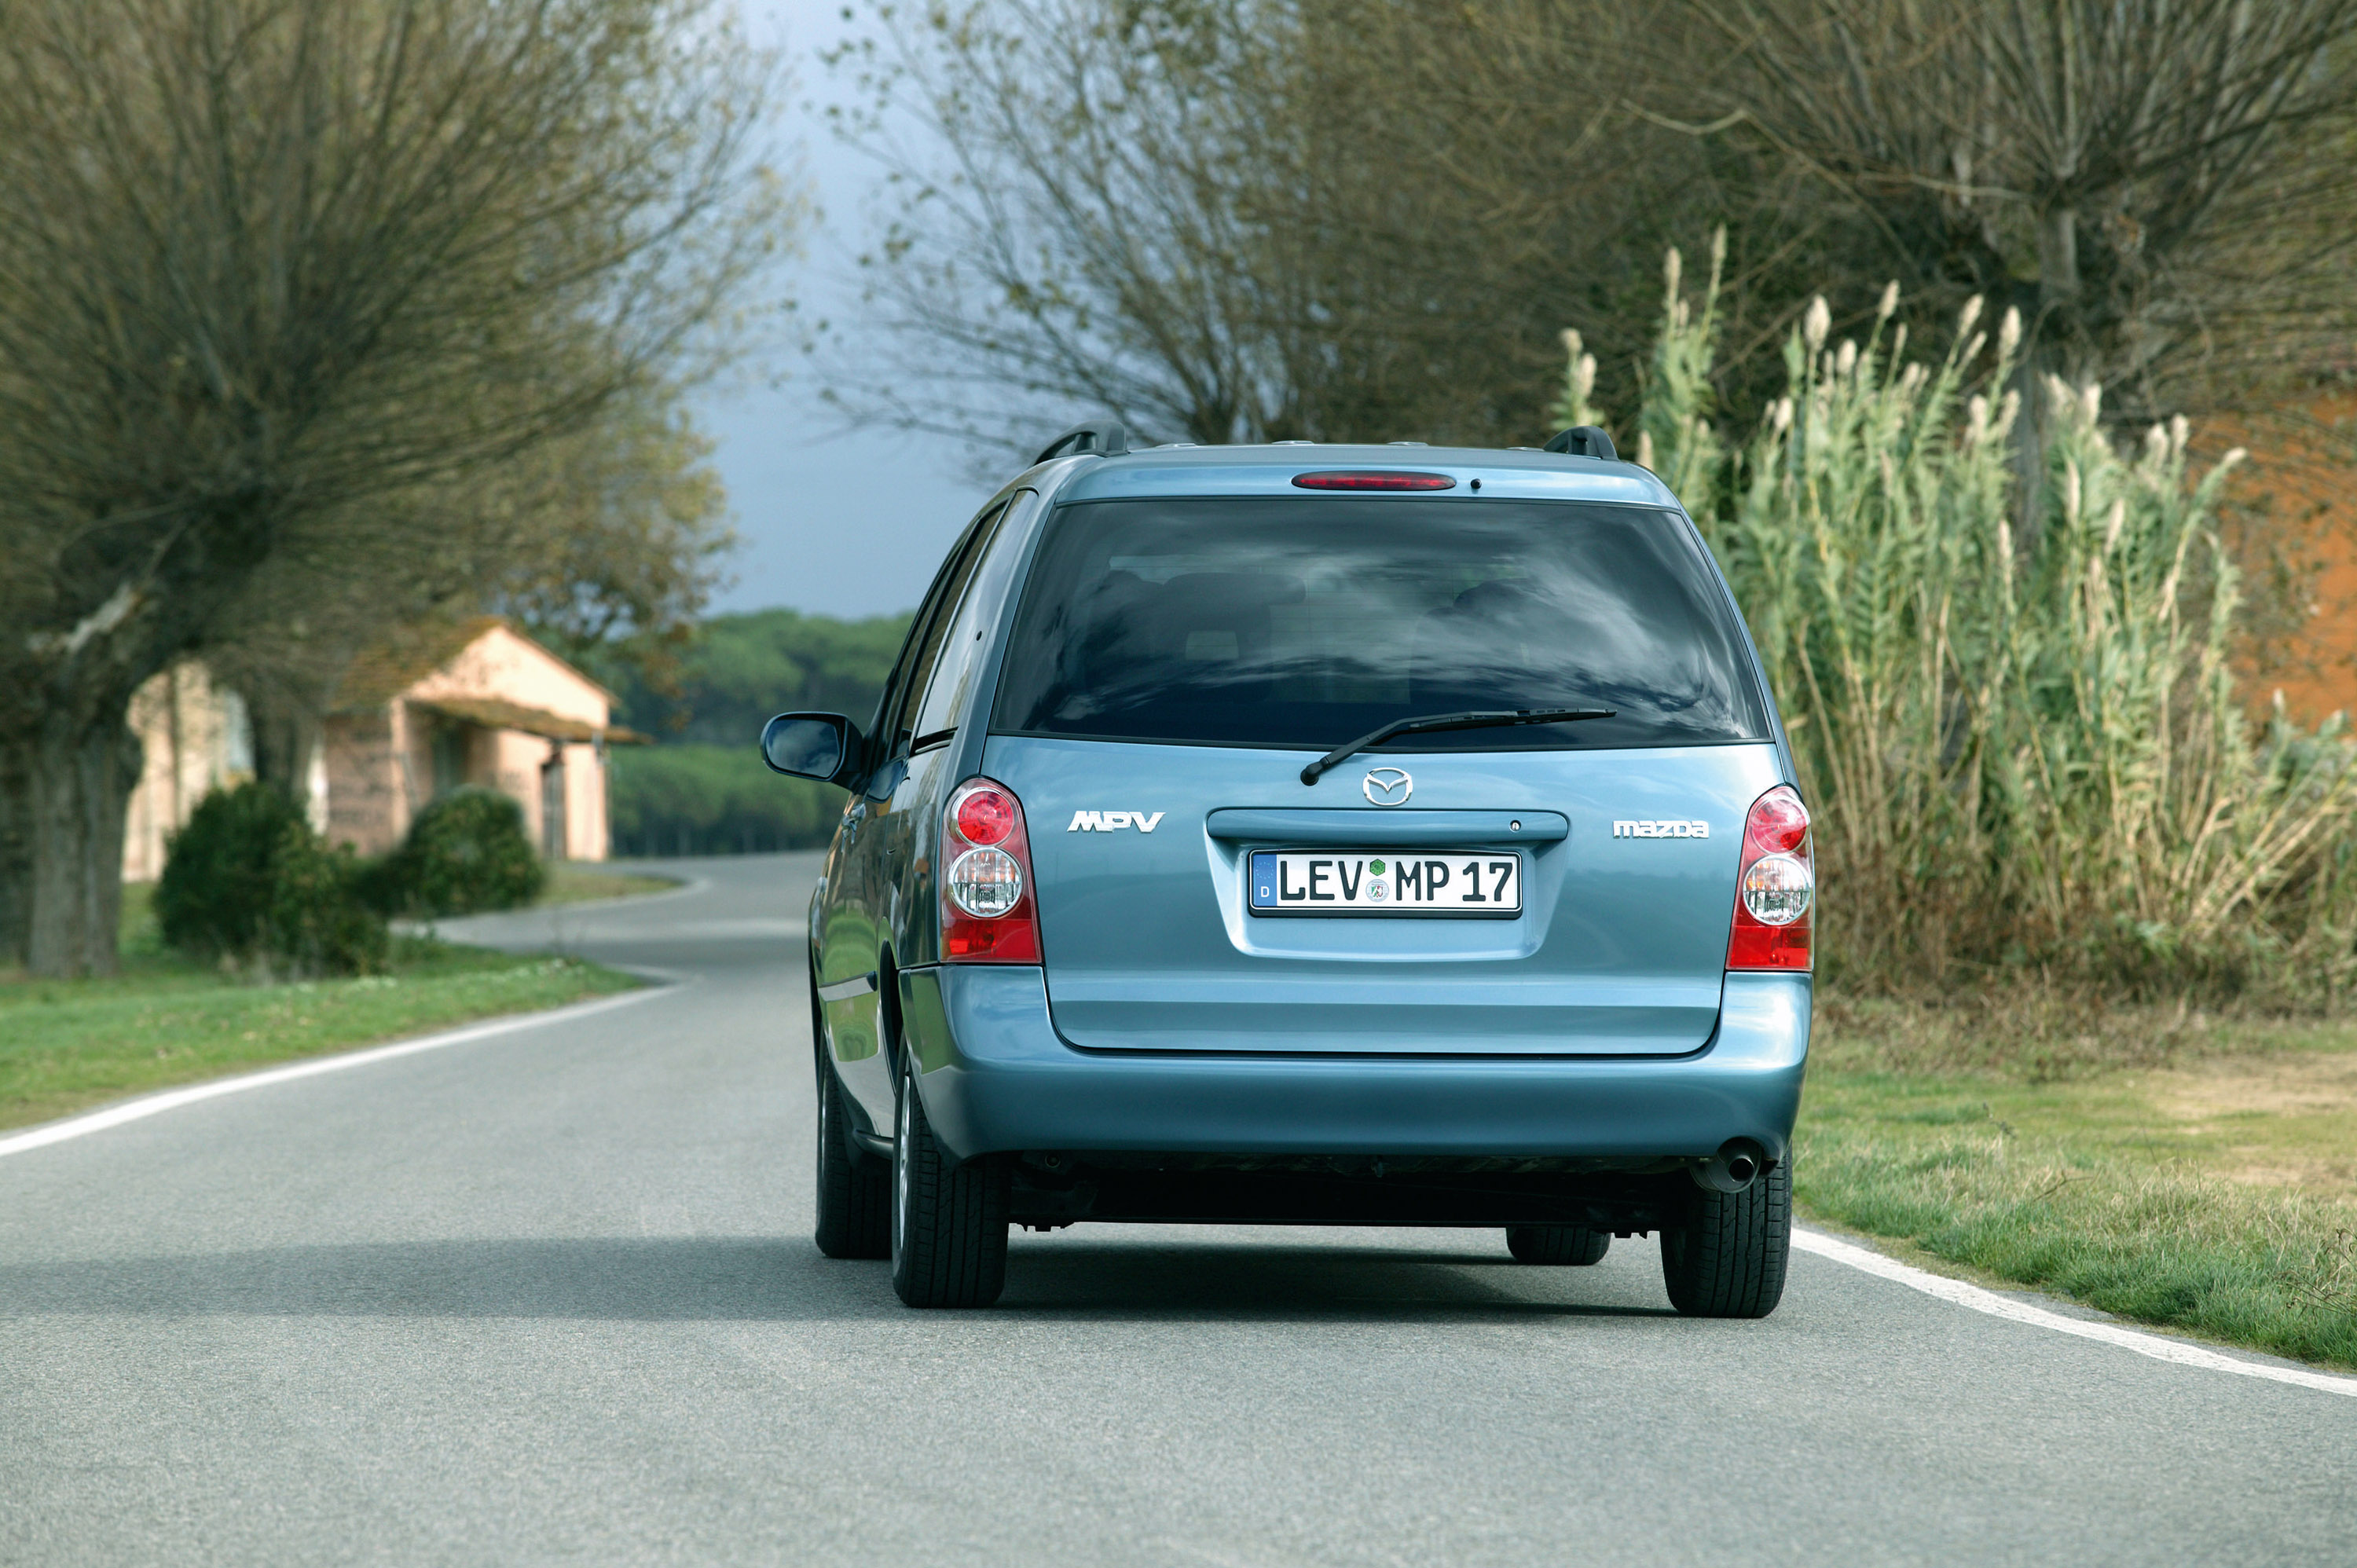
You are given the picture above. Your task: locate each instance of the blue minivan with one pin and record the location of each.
(1312, 834)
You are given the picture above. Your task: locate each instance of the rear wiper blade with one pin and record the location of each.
(1309, 775)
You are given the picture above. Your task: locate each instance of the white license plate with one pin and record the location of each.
(1384, 882)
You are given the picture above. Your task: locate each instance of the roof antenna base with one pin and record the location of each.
(1100, 439)
(1584, 441)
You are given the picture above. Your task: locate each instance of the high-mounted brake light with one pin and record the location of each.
(1373, 479)
(1776, 886)
(988, 912)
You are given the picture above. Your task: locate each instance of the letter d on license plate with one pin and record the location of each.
(1420, 882)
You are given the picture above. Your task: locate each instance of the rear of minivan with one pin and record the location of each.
(1497, 973)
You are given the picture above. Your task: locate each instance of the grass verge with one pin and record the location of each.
(582, 882)
(69, 1045)
(2194, 1173)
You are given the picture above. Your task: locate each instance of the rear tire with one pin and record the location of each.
(855, 1188)
(949, 1223)
(1557, 1244)
(1730, 1262)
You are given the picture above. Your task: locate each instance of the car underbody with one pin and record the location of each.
(1050, 1190)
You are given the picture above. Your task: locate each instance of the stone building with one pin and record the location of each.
(478, 703)
(475, 703)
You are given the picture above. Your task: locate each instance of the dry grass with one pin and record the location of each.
(2183, 1168)
(584, 882)
(2283, 1121)
(2033, 1029)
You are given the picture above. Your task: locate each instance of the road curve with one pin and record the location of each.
(549, 1294)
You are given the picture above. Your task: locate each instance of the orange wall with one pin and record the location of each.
(2308, 480)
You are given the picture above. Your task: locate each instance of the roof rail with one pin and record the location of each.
(1105, 437)
(1584, 441)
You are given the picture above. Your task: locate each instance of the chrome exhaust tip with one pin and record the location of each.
(1735, 1167)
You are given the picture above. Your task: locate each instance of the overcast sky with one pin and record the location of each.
(843, 524)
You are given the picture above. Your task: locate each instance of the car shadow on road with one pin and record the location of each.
(1226, 1279)
(754, 1279)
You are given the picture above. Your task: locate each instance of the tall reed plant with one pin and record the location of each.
(2016, 716)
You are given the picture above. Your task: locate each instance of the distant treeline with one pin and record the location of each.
(743, 668)
(701, 788)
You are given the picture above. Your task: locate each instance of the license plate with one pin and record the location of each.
(1381, 882)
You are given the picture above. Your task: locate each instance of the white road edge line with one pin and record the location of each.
(1959, 1294)
(173, 1099)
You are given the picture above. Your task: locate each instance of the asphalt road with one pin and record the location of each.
(550, 1296)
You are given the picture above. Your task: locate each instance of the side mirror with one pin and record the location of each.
(825, 746)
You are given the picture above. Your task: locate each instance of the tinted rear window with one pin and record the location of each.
(1286, 622)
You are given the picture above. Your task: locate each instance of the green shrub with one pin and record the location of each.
(466, 853)
(2015, 715)
(321, 922)
(249, 881)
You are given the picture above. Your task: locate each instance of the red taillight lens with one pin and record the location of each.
(989, 914)
(1776, 886)
(1779, 824)
(986, 814)
(1373, 479)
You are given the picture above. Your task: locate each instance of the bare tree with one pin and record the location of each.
(622, 535)
(612, 538)
(1078, 227)
(1231, 219)
(283, 638)
(2165, 189)
(1227, 218)
(264, 259)
(1483, 177)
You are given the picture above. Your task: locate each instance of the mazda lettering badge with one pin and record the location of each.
(1388, 786)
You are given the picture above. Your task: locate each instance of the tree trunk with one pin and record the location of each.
(2058, 255)
(2031, 428)
(15, 856)
(79, 778)
(287, 736)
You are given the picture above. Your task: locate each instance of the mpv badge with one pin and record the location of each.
(1388, 786)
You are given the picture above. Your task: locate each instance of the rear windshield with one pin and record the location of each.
(1303, 623)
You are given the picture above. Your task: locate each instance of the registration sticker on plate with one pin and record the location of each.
(1384, 882)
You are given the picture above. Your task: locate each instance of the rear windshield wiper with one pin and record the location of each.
(1453, 721)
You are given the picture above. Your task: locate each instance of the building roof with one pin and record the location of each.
(407, 657)
(413, 653)
(493, 714)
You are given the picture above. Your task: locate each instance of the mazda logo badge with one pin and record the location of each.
(1388, 786)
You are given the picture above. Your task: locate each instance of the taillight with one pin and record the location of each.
(986, 815)
(988, 912)
(1776, 889)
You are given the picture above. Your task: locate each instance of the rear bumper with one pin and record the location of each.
(995, 1077)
